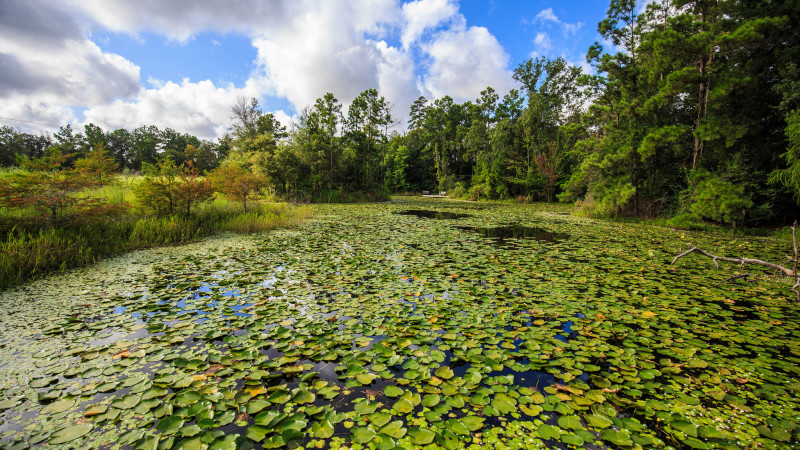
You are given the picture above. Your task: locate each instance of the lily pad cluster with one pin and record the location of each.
(366, 328)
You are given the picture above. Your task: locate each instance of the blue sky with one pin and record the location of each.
(183, 63)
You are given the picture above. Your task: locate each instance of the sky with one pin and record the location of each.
(182, 64)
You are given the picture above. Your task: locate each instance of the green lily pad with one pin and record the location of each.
(394, 429)
(70, 433)
(421, 436)
(403, 406)
(170, 424)
(362, 435)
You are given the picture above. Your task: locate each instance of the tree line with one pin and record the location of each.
(130, 149)
(691, 113)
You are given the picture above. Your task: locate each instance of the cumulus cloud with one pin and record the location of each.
(548, 16)
(542, 44)
(304, 48)
(463, 61)
(199, 108)
(181, 19)
(47, 60)
(422, 15)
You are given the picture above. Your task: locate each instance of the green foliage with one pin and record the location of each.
(157, 193)
(54, 190)
(167, 189)
(237, 183)
(99, 162)
(396, 164)
(717, 199)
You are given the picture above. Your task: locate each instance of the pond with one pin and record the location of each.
(370, 328)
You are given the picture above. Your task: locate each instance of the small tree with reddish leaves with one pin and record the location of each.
(237, 183)
(53, 190)
(192, 190)
(99, 162)
(547, 166)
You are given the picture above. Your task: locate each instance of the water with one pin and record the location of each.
(428, 214)
(500, 234)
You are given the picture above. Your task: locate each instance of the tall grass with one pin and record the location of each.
(34, 249)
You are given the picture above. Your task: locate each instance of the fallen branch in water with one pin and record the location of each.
(742, 261)
(743, 276)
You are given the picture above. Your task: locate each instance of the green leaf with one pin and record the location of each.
(421, 436)
(257, 433)
(186, 398)
(598, 421)
(392, 391)
(457, 427)
(125, 402)
(571, 439)
(684, 427)
(379, 419)
(444, 372)
(322, 430)
(403, 406)
(570, 422)
(431, 400)
(170, 424)
(59, 406)
(362, 435)
(70, 433)
(546, 432)
(394, 429)
(616, 437)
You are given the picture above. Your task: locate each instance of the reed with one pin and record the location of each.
(32, 251)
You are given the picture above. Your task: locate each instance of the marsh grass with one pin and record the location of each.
(30, 248)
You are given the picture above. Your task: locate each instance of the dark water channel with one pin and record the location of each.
(515, 231)
(428, 214)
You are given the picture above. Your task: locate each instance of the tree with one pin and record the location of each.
(146, 142)
(158, 191)
(245, 114)
(396, 163)
(100, 163)
(55, 190)
(191, 190)
(548, 166)
(789, 89)
(237, 184)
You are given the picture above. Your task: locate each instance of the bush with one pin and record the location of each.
(459, 191)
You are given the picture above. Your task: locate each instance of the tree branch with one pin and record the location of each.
(742, 261)
(786, 271)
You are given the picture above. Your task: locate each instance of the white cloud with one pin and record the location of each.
(421, 15)
(547, 15)
(200, 108)
(47, 64)
(463, 61)
(304, 49)
(541, 45)
(181, 19)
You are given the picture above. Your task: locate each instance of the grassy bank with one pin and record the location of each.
(30, 248)
(29, 253)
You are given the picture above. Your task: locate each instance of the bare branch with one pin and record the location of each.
(734, 277)
(741, 261)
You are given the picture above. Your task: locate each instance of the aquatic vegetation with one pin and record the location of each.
(365, 328)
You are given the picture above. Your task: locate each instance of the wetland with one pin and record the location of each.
(407, 324)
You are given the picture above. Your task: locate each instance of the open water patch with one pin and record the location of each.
(429, 214)
(515, 231)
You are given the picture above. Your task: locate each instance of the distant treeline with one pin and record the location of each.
(130, 149)
(693, 114)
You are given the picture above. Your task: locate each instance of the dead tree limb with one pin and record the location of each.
(742, 261)
(743, 276)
